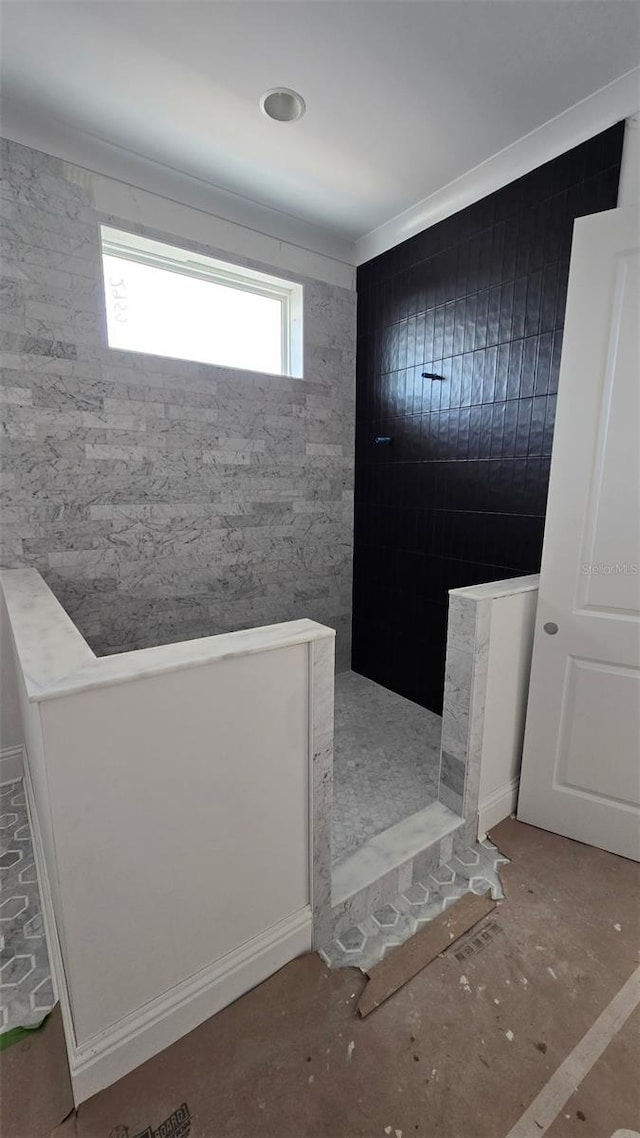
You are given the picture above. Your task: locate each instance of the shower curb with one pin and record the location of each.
(473, 869)
(358, 890)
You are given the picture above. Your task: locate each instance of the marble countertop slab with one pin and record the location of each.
(57, 661)
(498, 588)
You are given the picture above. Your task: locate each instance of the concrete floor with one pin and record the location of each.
(460, 1052)
(386, 761)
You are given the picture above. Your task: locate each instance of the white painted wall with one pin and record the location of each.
(629, 191)
(598, 112)
(139, 189)
(230, 217)
(157, 212)
(509, 665)
(170, 796)
(180, 808)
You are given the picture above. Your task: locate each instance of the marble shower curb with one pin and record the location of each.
(474, 868)
(390, 862)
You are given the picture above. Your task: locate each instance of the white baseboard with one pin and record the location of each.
(497, 806)
(99, 1062)
(115, 1052)
(11, 764)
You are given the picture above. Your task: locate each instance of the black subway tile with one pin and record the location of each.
(529, 360)
(524, 427)
(470, 323)
(532, 312)
(556, 352)
(518, 317)
(515, 369)
(460, 497)
(502, 371)
(478, 377)
(543, 363)
(482, 310)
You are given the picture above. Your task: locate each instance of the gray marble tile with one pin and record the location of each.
(36, 346)
(425, 860)
(450, 798)
(322, 686)
(87, 429)
(387, 755)
(474, 869)
(358, 905)
(452, 771)
(464, 696)
(26, 991)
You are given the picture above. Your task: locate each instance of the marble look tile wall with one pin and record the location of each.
(463, 707)
(473, 646)
(163, 500)
(322, 690)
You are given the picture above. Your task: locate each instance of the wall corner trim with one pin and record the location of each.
(598, 111)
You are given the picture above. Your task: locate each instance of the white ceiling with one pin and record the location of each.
(402, 98)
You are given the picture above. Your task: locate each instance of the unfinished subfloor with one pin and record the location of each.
(460, 1052)
(386, 761)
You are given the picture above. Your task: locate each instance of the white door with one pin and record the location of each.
(581, 761)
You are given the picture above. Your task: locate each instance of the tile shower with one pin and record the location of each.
(161, 499)
(451, 477)
(458, 497)
(164, 500)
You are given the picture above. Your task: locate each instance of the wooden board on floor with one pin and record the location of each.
(411, 957)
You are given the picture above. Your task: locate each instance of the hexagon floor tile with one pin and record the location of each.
(473, 870)
(26, 992)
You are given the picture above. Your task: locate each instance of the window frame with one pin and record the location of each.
(187, 262)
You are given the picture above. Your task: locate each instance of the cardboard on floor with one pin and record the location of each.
(459, 1052)
(35, 1086)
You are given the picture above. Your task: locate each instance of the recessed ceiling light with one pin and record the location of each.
(282, 104)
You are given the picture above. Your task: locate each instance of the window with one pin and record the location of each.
(172, 302)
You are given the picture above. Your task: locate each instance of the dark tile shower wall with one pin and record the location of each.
(458, 496)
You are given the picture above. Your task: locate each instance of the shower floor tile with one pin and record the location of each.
(386, 761)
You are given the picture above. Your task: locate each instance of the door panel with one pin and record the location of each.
(581, 760)
(601, 702)
(606, 584)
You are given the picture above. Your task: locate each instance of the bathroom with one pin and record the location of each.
(268, 600)
(165, 500)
